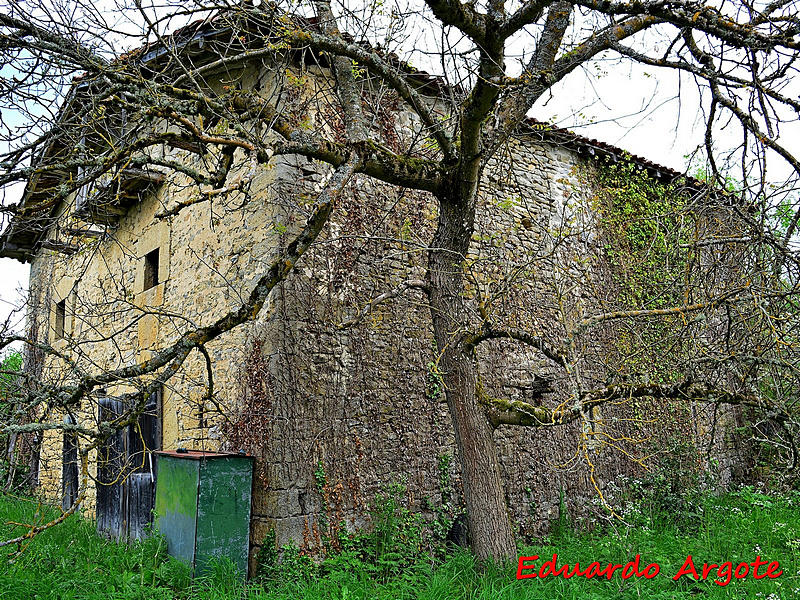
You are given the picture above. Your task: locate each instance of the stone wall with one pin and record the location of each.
(360, 404)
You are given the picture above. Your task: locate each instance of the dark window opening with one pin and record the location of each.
(151, 269)
(61, 315)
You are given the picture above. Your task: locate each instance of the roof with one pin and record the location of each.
(24, 234)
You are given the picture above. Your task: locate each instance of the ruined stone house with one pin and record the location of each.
(320, 404)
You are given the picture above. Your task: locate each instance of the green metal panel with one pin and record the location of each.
(176, 505)
(223, 511)
(203, 506)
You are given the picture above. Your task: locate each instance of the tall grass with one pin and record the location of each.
(71, 561)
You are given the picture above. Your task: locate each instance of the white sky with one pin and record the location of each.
(639, 112)
(13, 289)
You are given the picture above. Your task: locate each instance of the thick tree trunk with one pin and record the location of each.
(487, 513)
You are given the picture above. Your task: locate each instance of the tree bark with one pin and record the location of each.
(487, 513)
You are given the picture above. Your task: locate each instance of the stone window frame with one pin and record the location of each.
(61, 324)
(155, 237)
(151, 269)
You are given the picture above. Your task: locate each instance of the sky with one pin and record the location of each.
(13, 287)
(651, 113)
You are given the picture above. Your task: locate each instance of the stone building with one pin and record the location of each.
(334, 401)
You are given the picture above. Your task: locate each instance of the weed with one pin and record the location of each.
(390, 561)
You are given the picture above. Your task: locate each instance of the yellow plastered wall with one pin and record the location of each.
(205, 265)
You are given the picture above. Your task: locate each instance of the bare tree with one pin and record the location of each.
(79, 112)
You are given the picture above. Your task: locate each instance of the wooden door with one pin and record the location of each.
(69, 466)
(110, 473)
(126, 472)
(140, 484)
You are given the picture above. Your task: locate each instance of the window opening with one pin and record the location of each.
(61, 315)
(151, 269)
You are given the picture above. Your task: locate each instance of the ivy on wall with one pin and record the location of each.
(646, 227)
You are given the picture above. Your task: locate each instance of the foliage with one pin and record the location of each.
(446, 512)
(10, 366)
(781, 217)
(644, 228)
(171, 108)
(672, 489)
(73, 561)
(285, 564)
(563, 524)
(398, 535)
(433, 382)
(434, 386)
(705, 174)
(394, 545)
(267, 557)
(321, 480)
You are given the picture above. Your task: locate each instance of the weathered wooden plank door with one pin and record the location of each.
(110, 470)
(140, 485)
(126, 472)
(69, 466)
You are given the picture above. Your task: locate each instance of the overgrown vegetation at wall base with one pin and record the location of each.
(73, 562)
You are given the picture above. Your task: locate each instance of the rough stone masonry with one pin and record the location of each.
(336, 402)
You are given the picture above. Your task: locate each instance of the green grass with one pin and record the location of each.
(70, 561)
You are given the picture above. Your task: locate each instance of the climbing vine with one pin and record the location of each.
(646, 227)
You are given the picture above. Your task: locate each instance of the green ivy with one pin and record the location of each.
(645, 223)
(646, 229)
(321, 480)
